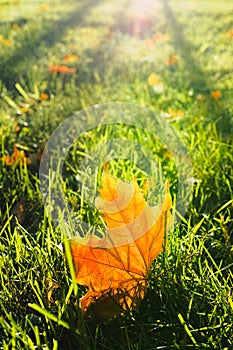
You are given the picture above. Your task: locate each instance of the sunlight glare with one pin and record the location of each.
(141, 8)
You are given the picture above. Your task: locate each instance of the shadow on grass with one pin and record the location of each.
(20, 21)
(198, 79)
(185, 48)
(15, 66)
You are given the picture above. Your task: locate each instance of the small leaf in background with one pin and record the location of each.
(95, 43)
(192, 5)
(171, 60)
(70, 58)
(161, 37)
(229, 33)
(44, 96)
(17, 128)
(61, 69)
(44, 7)
(175, 115)
(4, 41)
(149, 43)
(18, 156)
(15, 26)
(216, 95)
(117, 275)
(20, 126)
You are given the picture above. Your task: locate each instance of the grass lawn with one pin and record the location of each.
(173, 57)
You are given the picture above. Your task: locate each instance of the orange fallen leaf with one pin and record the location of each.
(95, 43)
(192, 5)
(15, 26)
(18, 156)
(176, 114)
(44, 7)
(229, 33)
(172, 59)
(70, 58)
(61, 69)
(160, 36)
(149, 43)
(216, 95)
(5, 42)
(17, 128)
(117, 275)
(44, 96)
